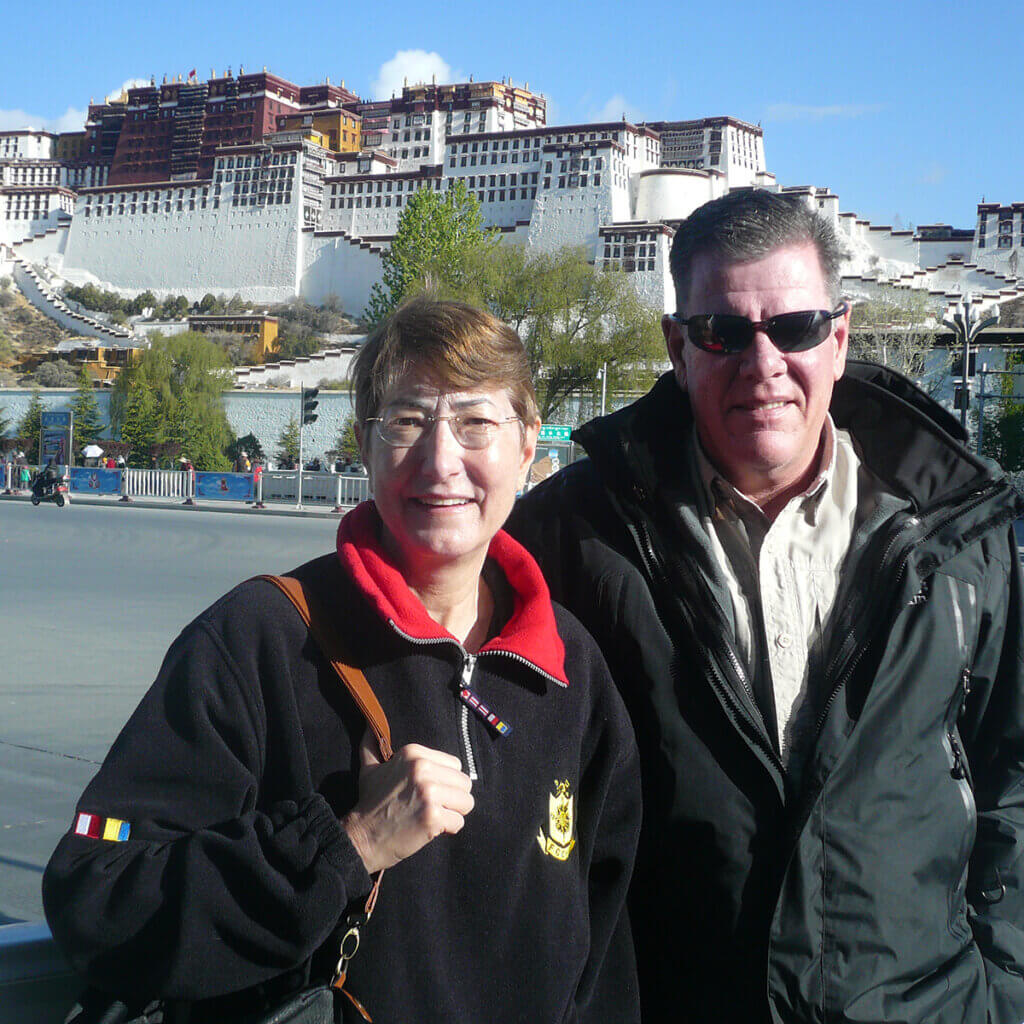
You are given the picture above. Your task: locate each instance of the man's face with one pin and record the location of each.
(760, 412)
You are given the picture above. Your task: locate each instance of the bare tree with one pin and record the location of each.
(898, 329)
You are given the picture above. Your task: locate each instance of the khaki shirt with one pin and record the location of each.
(783, 576)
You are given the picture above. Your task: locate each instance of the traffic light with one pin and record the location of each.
(309, 404)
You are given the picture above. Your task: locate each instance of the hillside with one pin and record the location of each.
(25, 334)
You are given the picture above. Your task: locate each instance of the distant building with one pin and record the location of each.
(413, 128)
(249, 184)
(26, 144)
(103, 362)
(257, 328)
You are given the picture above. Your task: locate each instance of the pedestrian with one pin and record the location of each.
(250, 806)
(809, 594)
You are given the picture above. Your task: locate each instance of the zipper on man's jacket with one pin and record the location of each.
(751, 716)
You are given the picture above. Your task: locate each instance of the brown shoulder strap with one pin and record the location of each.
(327, 639)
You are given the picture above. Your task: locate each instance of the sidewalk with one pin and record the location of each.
(276, 509)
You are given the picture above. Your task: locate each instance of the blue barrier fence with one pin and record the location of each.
(224, 486)
(95, 481)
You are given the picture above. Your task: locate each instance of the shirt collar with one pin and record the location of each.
(722, 497)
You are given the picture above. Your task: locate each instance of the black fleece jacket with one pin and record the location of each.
(234, 770)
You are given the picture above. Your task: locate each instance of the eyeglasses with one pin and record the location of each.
(725, 334)
(405, 427)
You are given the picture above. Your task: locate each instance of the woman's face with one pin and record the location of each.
(442, 503)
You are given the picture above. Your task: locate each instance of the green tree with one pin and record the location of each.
(1003, 436)
(141, 424)
(438, 236)
(898, 329)
(187, 375)
(87, 421)
(29, 426)
(288, 442)
(346, 444)
(573, 318)
(250, 444)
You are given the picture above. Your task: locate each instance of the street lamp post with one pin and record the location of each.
(603, 374)
(966, 326)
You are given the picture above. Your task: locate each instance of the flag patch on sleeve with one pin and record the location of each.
(95, 826)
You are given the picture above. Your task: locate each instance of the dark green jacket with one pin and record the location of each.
(887, 885)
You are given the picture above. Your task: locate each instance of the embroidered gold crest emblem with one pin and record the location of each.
(561, 823)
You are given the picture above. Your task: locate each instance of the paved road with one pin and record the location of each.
(90, 598)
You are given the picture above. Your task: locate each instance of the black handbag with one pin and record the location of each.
(315, 1004)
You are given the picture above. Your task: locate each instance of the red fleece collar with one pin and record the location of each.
(530, 633)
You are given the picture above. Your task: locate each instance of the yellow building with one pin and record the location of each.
(340, 128)
(104, 362)
(257, 328)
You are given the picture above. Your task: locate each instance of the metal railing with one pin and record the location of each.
(324, 490)
(158, 483)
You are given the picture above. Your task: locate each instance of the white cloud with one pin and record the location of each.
(128, 83)
(71, 120)
(411, 67)
(614, 110)
(807, 112)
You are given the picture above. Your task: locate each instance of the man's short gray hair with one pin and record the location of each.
(747, 225)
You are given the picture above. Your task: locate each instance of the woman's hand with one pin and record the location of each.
(405, 802)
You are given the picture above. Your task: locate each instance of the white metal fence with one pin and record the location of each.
(158, 483)
(325, 490)
(336, 490)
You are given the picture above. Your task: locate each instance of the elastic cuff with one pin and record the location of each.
(335, 845)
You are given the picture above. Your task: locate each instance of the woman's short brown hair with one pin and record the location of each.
(452, 344)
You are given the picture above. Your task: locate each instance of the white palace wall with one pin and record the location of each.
(339, 265)
(253, 251)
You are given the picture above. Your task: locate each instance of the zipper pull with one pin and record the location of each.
(473, 702)
(957, 771)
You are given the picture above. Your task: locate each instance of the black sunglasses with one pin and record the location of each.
(725, 334)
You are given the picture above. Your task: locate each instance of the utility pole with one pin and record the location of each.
(309, 402)
(966, 327)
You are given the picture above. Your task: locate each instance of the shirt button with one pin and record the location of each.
(784, 640)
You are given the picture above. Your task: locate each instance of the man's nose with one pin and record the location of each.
(761, 358)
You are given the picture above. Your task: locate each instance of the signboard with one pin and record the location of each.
(95, 481)
(551, 432)
(224, 486)
(55, 437)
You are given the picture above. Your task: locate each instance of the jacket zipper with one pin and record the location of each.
(755, 721)
(979, 498)
(467, 677)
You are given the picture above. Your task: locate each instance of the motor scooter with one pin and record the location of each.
(49, 488)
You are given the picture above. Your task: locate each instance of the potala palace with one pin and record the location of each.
(252, 185)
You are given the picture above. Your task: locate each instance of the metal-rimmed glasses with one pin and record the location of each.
(403, 428)
(725, 333)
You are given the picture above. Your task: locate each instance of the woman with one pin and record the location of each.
(255, 810)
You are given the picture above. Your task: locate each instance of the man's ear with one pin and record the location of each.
(674, 342)
(841, 334)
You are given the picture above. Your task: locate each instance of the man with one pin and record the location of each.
(808, 592)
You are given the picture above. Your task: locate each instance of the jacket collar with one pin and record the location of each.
(530, 634)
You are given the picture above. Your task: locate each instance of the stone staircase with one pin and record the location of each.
(41, 294)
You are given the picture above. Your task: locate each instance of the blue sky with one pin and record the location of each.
(910, 112)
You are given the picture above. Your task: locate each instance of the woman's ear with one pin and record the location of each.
(530, 433)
